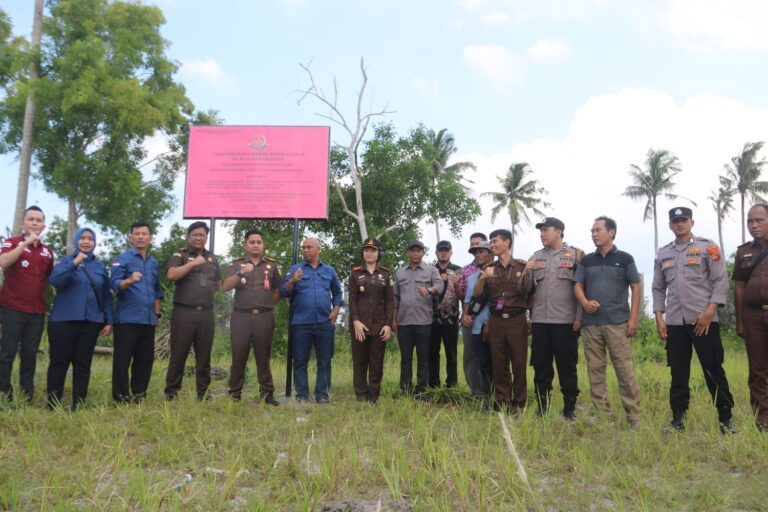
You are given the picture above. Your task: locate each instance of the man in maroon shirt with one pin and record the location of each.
(26, 264)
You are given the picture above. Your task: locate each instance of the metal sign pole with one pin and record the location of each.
(289, 362)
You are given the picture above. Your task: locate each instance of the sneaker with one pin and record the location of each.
(302, 400)
(726, 427)
(323, 401)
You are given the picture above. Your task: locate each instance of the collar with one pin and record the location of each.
(613, 250)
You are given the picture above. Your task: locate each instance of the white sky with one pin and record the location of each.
(579, 89)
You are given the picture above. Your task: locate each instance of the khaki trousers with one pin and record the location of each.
(598, 338)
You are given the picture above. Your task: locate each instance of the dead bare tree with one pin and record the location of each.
(355, 128)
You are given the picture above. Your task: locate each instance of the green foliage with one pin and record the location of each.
(105, 85)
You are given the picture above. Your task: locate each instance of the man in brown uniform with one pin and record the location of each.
(508, 326)
(195, 271)
(750, 273)
(256, 280)
(371, 310)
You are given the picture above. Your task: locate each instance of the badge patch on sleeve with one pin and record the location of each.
(714, 252)
(668, 263)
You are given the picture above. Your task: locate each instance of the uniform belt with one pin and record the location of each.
(508, 314)
(187, 306)
(764, 307)
(253, 311)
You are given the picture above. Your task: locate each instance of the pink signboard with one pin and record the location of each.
(257, 172)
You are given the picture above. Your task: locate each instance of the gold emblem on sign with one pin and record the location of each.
(259, 141)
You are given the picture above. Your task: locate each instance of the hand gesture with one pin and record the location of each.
(135, 277)
(297, 275)
(199, 260)
(591, 306)
(423, 291)
(246, 268)
(31, 239)
(488, 272)
(79, 258)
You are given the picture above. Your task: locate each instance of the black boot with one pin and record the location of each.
(269, 398)
(724, 417)
(542, 399)
(678, 422)
(569, 408)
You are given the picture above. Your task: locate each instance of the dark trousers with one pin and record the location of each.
(447, 335)
(306, 336)
(70, 343)
(190, 328)
(410, 337)
(561, 343)
(471, 374)
(482, 364)
(756, 337)
(680, 344)
(134, 350)
(21, 333)
(249, 330)
(367, 366)
(508, 341)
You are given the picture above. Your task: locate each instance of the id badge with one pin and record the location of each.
(500, 304)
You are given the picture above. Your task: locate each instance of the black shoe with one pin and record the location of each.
(569, 415)
(762, 427)
(726, 427)
(677, 425)
(170, 398)
(269, 398)
(236, 398)
(203, 397)
(540, 413)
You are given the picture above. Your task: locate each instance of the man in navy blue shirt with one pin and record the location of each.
(316, 297)
(135, 278)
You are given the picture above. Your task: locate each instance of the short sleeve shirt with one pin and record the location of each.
(606, 279)
(756, 288)
(199, 285)
(256, 288)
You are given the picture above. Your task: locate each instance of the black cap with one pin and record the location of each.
(680, 212)
(443, 245)
(482, 245)
(551, 221)
(415, 243)
(372, 243)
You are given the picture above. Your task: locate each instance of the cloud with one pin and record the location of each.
(586, 171)
(496, 63)
(710, 24)
(549, 50)
(430, 89)
(209, 71)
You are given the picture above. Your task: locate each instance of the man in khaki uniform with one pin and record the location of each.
(556, 316)
(256, 281)
(750, 273)
(508, 325)
(195, 271)
(690, 282)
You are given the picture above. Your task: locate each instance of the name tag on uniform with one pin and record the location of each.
(667, 264)
(694, 251)
(693, 261)
(566, 264)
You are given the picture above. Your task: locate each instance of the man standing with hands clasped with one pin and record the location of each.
(607, 323)
(690, 282)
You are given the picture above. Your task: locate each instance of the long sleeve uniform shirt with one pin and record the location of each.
(412, 308)
(551, 283)
(75, 296)
(315, 294)
(482, 317)
(136, 304)
(687, 278)
(371, 299)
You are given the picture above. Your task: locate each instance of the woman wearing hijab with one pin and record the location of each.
(81, 311)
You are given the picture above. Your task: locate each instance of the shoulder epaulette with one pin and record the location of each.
(268, 259)
(522, 262)
(383, 268)
(702, 239)
(746, 244)
(357, 267)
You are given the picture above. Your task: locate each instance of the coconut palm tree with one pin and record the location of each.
(654, 181)
(722, 200)
(520, 194)
(744, 172)
(442, 145)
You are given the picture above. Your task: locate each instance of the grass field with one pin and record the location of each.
(411, 455)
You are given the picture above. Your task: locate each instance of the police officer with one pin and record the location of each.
(371, 311)
(508, 325)
(256, 281)
(690, 282)
(750, 273)
(556, 316)
(135, 278)
(195, 271)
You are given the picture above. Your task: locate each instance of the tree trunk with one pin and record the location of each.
(25, 158)
(437, 228)
(512, 240)
(720, 231)
(71, 226)
(655, 229)
(743, 229)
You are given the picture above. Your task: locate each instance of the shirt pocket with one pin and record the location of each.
(565, 273)
(694, 267)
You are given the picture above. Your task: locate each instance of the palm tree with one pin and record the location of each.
(722, 200)
(656, 180)
(744, 172)
(519, 195)
(442, 146)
